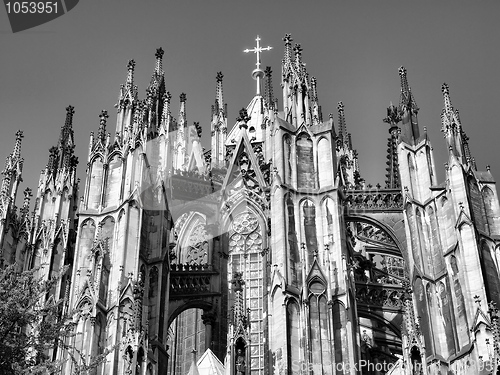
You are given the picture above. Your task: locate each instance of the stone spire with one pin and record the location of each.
(219, 98)
(343, 135)
(16, 152)
(268, 88)
(101, 133)
(26, 203)
(392, 180)
(182, 111)
(218, 125)
(317, 117)
(408, 110)
(66, 138)
(166, 116)
(12, 172)
(127, 100)
(128, 91)
(451, 126)
(287, 58)
(66, 144)
(157, 84)
(180, 143)
(130, 74)
(159, 61)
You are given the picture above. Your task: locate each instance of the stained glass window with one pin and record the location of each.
(245, 248)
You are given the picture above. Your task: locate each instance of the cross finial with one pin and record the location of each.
(258, 73)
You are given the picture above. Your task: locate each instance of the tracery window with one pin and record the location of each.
(197, 252)
(245, 248)
(318, 328)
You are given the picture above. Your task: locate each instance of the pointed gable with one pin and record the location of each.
(244, 163)
(209, 364)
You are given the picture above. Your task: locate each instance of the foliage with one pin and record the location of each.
(32, 325)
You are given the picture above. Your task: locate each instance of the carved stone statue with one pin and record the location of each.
(240, 363)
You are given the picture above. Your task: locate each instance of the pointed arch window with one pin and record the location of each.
(325, 164)
(152, 300)
(491, 209)
(197, 252)
(113, 181)
(413, 176)
(287, 155)
(293, 245)
(294, 333)
(318, 327)
(306, 176)
(246, 256)
(309, 229)
(478, 211)
(95, 180)
(192, 244)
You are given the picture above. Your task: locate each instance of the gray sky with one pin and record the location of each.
(354, 49)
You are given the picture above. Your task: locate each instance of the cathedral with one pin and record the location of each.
(268, 253)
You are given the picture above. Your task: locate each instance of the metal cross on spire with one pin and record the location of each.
(258, 73)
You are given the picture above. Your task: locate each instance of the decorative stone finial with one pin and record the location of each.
(445, 89)
(243, 118)
(288, 39)
(159, 53)
(101, 133)
(26, 201)
(314, 89)
(404, 79)
(297, 49)
(130, 74)
(198, 128)
(70, 110)
(238, 282)
(17, 146)
(219, 77)
(393, 117)
(182, 97)
(131, 65)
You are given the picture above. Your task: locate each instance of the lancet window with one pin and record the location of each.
(245, 250)
(318, 329)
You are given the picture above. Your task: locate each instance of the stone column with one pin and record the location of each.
(208, 319)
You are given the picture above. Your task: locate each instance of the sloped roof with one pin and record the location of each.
(209, 364)
(193, 370)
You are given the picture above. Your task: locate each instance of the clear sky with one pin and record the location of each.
(353, 48)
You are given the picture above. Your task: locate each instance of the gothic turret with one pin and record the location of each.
(296, 86)
(59, 176)
(218, 125)
(269, 100)
(127, 99)
(392, 179)
(347, 157)
(181, 145)
(154, 96)
(456, 139)
(12, 176)
(53, 228)
(408, 110)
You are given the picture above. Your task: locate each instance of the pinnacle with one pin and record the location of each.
(159, 53)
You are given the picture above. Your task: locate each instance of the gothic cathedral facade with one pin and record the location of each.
(268, 251)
